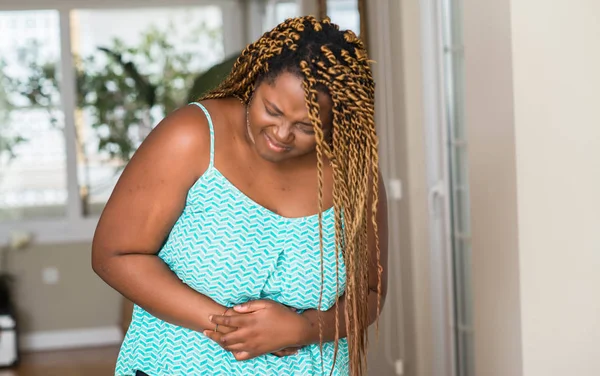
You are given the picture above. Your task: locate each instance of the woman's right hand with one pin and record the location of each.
(222, 329)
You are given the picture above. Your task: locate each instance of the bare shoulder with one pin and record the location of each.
(183, 136)
(223, 112)
(227, 115)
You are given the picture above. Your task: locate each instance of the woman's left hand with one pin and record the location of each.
(263, 327)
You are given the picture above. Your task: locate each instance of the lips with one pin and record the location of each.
(276, 146)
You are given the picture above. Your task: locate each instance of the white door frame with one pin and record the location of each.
(438, 184)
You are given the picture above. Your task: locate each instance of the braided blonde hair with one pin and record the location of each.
(336, 62)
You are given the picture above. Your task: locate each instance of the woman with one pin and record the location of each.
(218, 231)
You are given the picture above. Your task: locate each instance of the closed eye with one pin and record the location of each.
(306, 128)
(272, 113)
(272, 110)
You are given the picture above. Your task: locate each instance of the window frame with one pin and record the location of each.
(74, 226)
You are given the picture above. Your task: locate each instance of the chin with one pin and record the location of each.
(268, 156)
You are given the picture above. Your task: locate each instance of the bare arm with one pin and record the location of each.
(144, 206)
(311, 335)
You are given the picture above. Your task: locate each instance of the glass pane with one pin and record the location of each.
(460, 185)
(285, 10)
(460, 206)
(345, 14)
(278, 12)
(33, 181)
(129, 76)
(458, 90)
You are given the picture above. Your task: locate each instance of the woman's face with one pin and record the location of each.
(279, 126)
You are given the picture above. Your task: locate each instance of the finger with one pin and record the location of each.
(234, 321)
(242, 355)
(285, 352)
(226, 329)
(233, 338)
(238, 336)
(215, 336)
(288, 352)
(238, 347)
(291, 349)
(251, 306)
(220, 339)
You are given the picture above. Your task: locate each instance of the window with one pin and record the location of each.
(77, 98)
(342, 12)
(345, 14)
(147, 61)
(32, 146)
(454, 76)
(278, 11)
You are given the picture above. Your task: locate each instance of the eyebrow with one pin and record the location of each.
(275, 108)
(279, 112)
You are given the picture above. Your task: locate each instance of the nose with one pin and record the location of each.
(283, 134)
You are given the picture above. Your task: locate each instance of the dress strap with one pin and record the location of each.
(212, 133)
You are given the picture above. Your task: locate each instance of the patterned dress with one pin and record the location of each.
(231, 249)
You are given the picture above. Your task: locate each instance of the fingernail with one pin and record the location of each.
(205, 333)
(210, 317)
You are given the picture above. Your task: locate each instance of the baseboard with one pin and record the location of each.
(71, 339)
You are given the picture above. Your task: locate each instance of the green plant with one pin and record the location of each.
(122, 91)
(8, 139)
(211, 78)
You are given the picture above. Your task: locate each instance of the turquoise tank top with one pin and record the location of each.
(231, 249)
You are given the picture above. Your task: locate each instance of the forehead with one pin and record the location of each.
(287, 89)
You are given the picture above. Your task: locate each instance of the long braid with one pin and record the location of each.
(311, 94)
(352, 318)
(335, 62)
(339, 195)
(362, 59)
(359, 310)
(374, 168)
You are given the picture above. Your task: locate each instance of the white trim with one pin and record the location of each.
(233, 28)
(255, 17)
(70, 339)
(106, 4)
(68, 95)
(438, 180)
(380, 49)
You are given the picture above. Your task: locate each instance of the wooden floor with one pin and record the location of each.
(88, 362)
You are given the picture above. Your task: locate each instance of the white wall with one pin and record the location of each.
(534, 134)
(394, 42)
(556, 75)
(492, 184)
